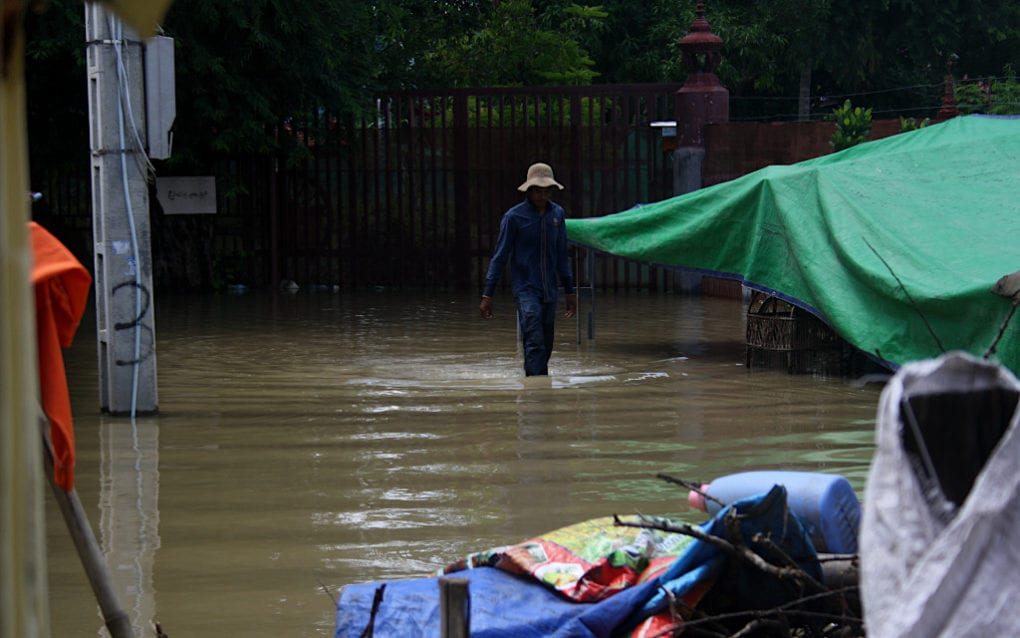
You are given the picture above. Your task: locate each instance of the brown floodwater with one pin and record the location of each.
(312, 440)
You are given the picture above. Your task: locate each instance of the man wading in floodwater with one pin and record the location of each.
(533, 238)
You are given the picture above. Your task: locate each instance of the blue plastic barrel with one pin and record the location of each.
(825, 503)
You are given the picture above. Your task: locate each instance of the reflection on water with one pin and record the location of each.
(305, 442)
(129, 512)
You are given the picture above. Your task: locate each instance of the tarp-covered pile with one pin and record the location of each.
(880, 240)
(599, 579)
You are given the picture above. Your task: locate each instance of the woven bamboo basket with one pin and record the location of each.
(781, 335)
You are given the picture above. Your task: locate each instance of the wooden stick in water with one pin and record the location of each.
(117, 621)
(454, 608)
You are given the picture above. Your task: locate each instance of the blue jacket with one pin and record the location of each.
(536, 248)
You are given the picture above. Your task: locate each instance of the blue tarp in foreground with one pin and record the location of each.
(521, 605)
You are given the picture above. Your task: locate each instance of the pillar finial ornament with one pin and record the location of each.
(700, 48)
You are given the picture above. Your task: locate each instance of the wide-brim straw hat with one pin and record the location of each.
(540, 175)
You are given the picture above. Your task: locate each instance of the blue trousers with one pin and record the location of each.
(536, 319)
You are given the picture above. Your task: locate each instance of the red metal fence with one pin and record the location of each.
(413, 196)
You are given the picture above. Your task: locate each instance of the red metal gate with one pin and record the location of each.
(412, 195)
(409, 195)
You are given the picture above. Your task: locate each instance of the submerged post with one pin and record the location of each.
(701, 100)
(455, 608)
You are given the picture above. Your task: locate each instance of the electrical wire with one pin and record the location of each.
(144, 163)
(126, 123)
(841, 96)
(912, 107)
(116, 34)
(896, 89)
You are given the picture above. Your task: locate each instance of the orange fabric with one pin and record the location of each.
(61, 291)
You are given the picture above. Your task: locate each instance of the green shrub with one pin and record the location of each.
(911, 124)
(853, 126)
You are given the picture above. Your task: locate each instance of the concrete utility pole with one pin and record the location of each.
(125, 327)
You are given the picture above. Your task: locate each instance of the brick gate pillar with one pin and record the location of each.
(701, 100)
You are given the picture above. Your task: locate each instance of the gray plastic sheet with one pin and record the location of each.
(940, 533)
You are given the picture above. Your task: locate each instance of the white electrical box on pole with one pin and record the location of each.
(118, 130)
(160, 95)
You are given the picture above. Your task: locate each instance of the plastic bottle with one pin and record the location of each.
(825, 503)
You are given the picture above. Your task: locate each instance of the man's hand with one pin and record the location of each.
(486, 308)
(571, 306)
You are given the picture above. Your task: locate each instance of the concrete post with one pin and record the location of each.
(688, 163)
(125, 325)
(701, 100)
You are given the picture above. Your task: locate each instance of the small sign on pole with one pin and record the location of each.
(187, 195)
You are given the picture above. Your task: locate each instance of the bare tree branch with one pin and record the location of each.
(691, 485)
(742, 552)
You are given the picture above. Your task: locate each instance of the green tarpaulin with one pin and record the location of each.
(880, 240)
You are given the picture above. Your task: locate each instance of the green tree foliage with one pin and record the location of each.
(764, 40)
(407, 30)
(57, 103)
(245, 67)
(518, 45)
(895, 51)
(995, 96)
